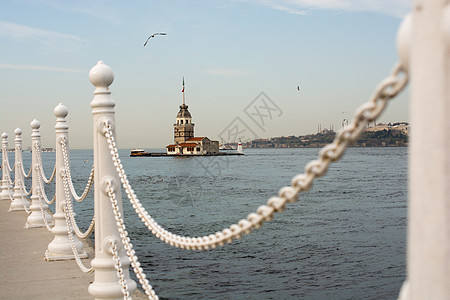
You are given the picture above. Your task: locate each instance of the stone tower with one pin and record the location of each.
(183, 128)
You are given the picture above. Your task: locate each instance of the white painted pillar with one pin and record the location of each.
(6, 188)
(428, 255)
(106, 282)
(35, 219)
(60, 248)
(19, 196)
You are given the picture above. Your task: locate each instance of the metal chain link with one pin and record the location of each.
(41, 195)
(24, 174)
(69, 206)
(119, 269)
(8, 166)
(67, 168)
(5, 154)
(67, 215)
(28, 211)
(368, 112)
(10, 194)
(49, 228)
(25, 190)
(8, 175)
(39, 157)
(20, 163)
(41, 187)
(128, 246)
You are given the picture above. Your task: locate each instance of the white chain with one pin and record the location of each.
(41, 186)
(387, 89)
(24, 174)
(20, 163)
(10, 194)
(8, 176)
(119, 269)
(67, 167)
(41, 195)
(66, 209)
(42, 212)
(5, 155)
(23, 202)
(128, 246)
(13, 183)
(38, 151)
(25, 190)
(75, 227)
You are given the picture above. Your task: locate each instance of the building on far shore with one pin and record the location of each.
(185, 143)
(403, 127)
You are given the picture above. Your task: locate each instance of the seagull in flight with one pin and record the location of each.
(153, 35)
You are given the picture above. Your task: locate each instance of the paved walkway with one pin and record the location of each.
(24, 274)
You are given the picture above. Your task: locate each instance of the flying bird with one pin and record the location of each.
(153, 35)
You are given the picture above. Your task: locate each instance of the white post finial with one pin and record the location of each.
(60, 248)
(6, 188)
(106, 283)
(20, 201)
(36, 218)
(101, 76)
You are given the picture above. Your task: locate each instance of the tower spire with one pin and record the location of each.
(183, 92)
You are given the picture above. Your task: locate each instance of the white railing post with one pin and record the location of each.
(60, 248)
(428, 60)
(20, 200)
(106, 283)
(35, 219)
(6, 188)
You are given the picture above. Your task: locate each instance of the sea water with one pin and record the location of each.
(344, 239)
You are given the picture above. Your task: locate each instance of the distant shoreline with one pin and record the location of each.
(372, 137)
(321, 146)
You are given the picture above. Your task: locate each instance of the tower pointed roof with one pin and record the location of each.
(184, 112)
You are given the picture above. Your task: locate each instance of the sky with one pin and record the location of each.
(243, 62)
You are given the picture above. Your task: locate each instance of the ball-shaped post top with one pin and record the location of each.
(35, 124)
(18, 131)
(101, 76)
(61, 111)
(4, 135)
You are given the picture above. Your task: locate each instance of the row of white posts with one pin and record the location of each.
(106, 284)
(18, 195)
(424, 48)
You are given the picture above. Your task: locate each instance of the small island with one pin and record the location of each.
(185, 143)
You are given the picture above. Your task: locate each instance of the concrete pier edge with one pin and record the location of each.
(24, 274)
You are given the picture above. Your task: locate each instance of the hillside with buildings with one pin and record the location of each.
(379, 135)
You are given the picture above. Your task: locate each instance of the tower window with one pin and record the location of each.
(181, 121)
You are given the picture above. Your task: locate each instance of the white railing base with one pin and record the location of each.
(6, 193)
(61, 248)
(18, 203)
(50, 257)
(36, 221)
